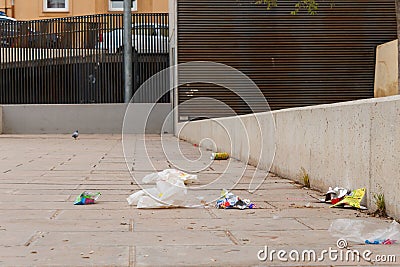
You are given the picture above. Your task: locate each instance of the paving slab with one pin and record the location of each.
(115, 238)
(227, 256)
(40, 177)
(245, 224)
(91, 255)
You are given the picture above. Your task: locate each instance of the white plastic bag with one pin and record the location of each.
(170, 175)
(147, 202)
(360, 231)
(170, 191)
(135, 197)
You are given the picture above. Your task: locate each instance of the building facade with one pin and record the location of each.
(43, 9)
(295, 61)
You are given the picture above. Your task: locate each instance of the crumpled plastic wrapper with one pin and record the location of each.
(87, 198)
(230, 201)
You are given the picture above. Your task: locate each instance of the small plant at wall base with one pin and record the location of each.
(305, 177)
(379, 200)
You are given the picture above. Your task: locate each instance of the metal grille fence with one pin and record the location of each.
(79, 60)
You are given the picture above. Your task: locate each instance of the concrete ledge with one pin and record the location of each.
(386, 69)
(90, 119)
(351, 144)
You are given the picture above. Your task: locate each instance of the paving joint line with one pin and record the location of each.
(55, 214)
(269, 203)
(232, 237)
(36, 236)
(299, 221)
(212, 214)
(132, 256)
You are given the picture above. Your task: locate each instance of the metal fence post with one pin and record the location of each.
(128, 49)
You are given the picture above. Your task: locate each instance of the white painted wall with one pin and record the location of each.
(352, 144)
(90, 119)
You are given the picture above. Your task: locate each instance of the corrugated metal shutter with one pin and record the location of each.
(295, 60)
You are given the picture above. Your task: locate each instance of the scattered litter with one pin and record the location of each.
(381, 242)
(134, 198)
(308, 205)
(230, 201)
(365, 232)
(87, 198)
(170, 190)
(170, 175)
(335, 195)
(355, 199)
(91, 252)
(220, 156)
(344, 198)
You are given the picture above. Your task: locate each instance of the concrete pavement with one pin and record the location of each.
(40, 226)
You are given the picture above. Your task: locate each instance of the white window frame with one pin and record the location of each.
(111, 8)
(50, 9)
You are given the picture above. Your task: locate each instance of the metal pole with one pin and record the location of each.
(128, 49)
(12, 9)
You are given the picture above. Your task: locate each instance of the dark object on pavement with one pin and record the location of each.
(75, 134)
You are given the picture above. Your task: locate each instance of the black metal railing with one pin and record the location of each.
(79, 59)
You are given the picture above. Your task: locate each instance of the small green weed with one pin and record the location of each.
(379, 200)
(305, 177)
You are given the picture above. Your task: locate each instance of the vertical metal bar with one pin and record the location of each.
(113, 88)
(25, 55)
(128, 49)
(33, 62)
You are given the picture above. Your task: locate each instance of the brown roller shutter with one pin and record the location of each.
(296, 60)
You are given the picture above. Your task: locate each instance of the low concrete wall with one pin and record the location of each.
(90, 119)
(386, 70)
(352, 144)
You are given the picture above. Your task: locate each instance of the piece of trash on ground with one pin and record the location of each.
(361, 231)
(334, 195)
(170, 175)
(344, 198)
(381, 242)
(87, 198)
(220, 156)
(170, 191)
(355, 199)
(228, 200)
